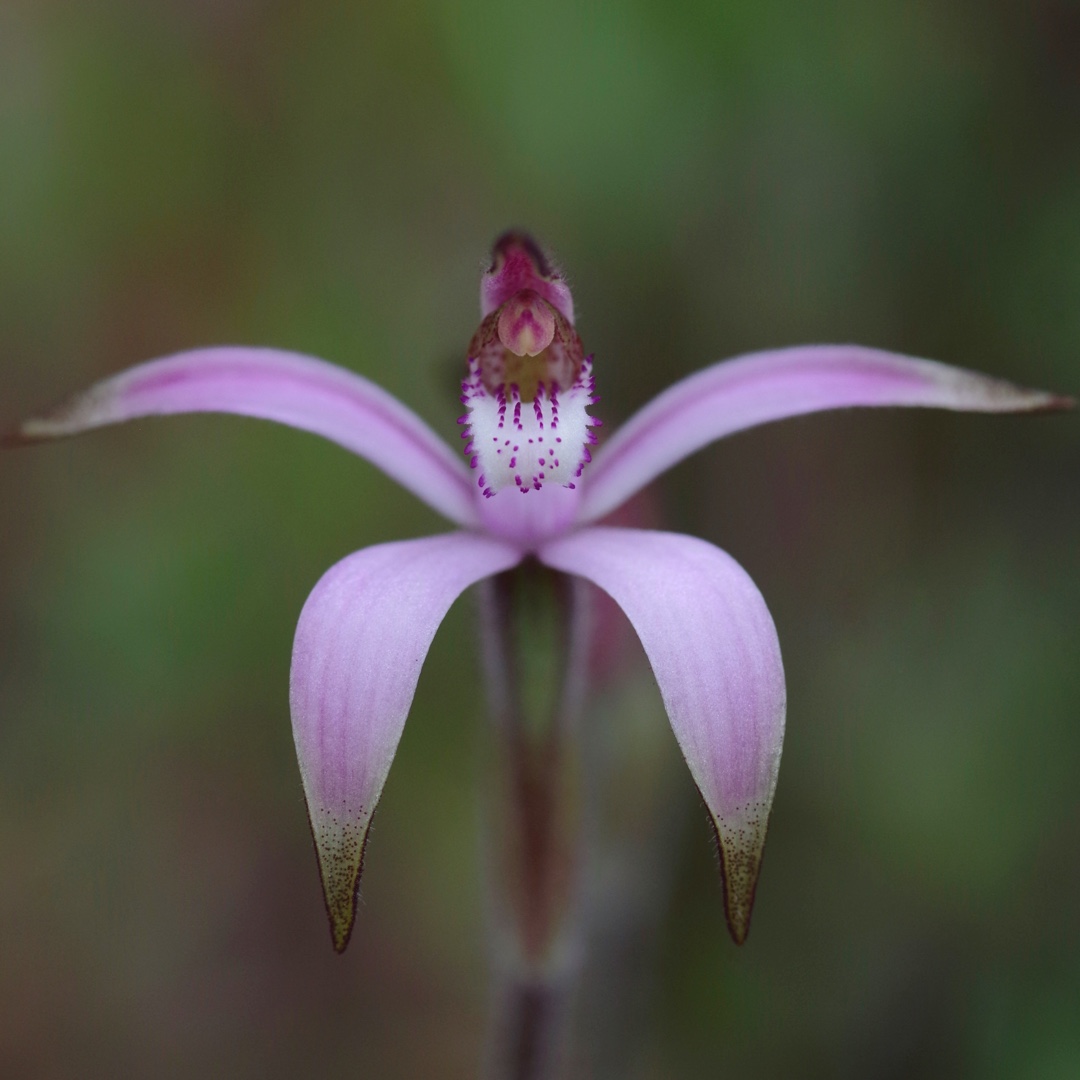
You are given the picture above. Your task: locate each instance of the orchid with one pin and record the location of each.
(532, 490)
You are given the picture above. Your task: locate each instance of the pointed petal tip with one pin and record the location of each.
(52, 424)
(36, 430)
(77, 413)
(740, 844)
(1054, 403)
(14, 437)
(984, 393)
(341, 934)
(339, 848)
(1003, 396)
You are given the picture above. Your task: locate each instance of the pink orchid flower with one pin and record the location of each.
(533, 491)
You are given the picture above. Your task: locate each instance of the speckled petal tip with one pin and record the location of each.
(360, 644)
(714, 651)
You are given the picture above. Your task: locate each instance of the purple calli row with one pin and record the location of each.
(366, 628)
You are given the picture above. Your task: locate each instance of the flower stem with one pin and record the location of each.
(535, 626)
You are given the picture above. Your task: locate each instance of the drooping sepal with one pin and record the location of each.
(713, 648)
(360, 644)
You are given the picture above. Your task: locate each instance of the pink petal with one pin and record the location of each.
(749, 390)
(360, 644)
(293, 389)
(713, 648)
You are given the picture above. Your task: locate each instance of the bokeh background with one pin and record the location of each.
(715, 178)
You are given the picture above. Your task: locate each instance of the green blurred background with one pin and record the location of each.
(715, 178)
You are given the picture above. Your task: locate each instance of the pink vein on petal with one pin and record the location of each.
(301, 391)
(748, 390)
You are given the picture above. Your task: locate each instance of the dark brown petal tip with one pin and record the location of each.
(1056, 403)
(15, 437)
(740, 850)
(340, 847)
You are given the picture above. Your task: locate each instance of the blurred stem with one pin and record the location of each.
(534, 630)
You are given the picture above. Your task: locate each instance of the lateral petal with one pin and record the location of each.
(288, 387)
(714, 651)
(360, 643)
(750, 390)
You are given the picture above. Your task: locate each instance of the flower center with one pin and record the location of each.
(525, 344)
(529, 383)
(526, 324)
